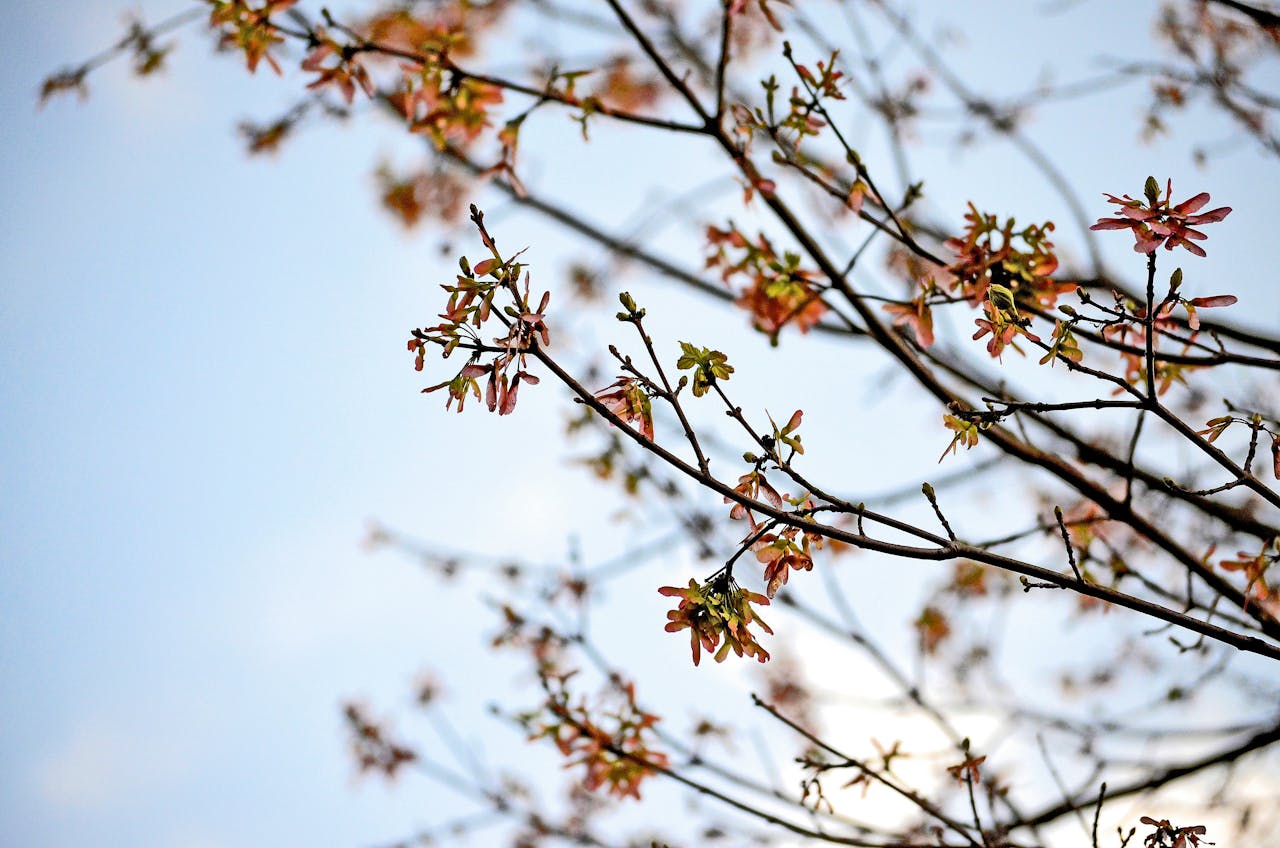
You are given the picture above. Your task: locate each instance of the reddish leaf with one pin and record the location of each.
(1214, 301)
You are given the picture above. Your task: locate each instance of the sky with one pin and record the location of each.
(207, 401)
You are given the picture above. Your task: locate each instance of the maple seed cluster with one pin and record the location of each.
(249, 29)
(1167, 835)
(783, 553)
(470, 306)
(998, 264)
(717, 615)
(778, 291)
(614, 746)
(1157, 221)
(627, 398)
(1001, 267)
(373, 747)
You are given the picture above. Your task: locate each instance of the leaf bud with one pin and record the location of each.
(1002, 298)
(1152, 191)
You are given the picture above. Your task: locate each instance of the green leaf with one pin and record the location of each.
(708, 366)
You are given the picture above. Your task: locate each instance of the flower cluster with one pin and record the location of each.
(1003, 322)
(337, 65)
(969, 579)
(969, 769)
(1064, 345)
(470, 305)
(249, 29)
(613, 745)
(998, 265)
(782, 553)
(752, 485)
(1155, 220)
(915, 314)
(966, 428)
(623, 88)
(545, 646)
(718, 615)
(446, 27)
(1167, 835)
(374, 750)
(779, 292)
(801, 118)
(991, 252)
(627, 399)
(433, 193)
(449, 108)
(932, 628)
(1254, 567)
(267, 137)
(786, 434)
(148, 58)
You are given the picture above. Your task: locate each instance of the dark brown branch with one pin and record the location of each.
(1213, 327)
(1122, 510)
(1263, 18)
(946, 550)
(661, 64)
(897, 347)
(722, 64)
